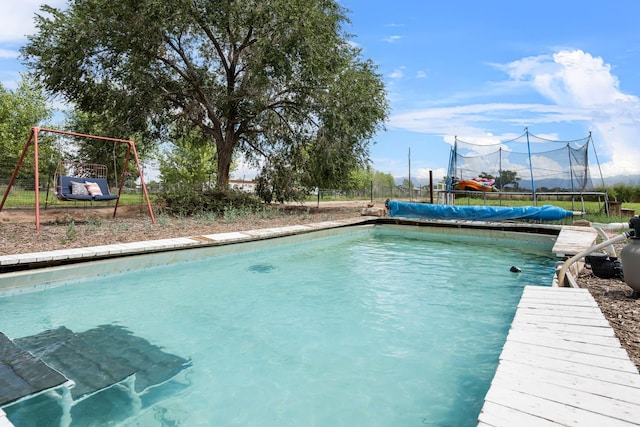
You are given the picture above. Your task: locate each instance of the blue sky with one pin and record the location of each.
(481, 70)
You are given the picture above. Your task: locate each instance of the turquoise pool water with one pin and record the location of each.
(383, 327)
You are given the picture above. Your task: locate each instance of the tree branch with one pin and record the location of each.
(191, 77)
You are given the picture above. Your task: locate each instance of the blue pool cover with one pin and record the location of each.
(476, 213)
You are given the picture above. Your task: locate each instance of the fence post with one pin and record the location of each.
(371, 191)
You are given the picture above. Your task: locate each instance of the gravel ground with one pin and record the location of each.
(619, 305)
(69, 228)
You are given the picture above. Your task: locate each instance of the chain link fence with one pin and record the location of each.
(376, 193)
(22, 195)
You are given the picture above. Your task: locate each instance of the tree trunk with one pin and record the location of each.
(224, 167)
(225, 156)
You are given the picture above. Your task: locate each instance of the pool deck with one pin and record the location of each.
(561, 363)
(573, 240)
(562, 366)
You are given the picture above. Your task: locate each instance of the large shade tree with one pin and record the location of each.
(265, 79)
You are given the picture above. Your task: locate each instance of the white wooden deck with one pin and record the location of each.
(573, 240)
(562, 365)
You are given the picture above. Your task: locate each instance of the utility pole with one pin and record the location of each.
(410, 186)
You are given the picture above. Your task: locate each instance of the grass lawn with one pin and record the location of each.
(26, 199)
(594, 209)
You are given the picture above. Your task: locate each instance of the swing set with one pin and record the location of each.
(78, 181)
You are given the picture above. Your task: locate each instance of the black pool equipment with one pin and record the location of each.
(515, 269)
(604, 266)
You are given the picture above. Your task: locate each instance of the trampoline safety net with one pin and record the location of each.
(528, 163)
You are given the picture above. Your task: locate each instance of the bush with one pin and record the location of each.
(193, 201)
(628, 193)
(277, 184)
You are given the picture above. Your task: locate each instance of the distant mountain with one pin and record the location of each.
(620, 179)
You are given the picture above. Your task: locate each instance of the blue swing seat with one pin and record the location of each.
(65, 189)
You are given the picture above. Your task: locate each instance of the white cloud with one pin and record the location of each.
(392, 39)
(8, 54)
(10, 81)
(398, 73)
(421, 74)
(423, 174)
(16, 19)
(581, 90)
(575, 79)
(469, 120)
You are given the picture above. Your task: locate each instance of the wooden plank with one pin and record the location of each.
(573, 240)
(566, 311)
(604, 331)
(551, 410)
(561, 296)
(494, 414)
(579, 347)
(568, 307)
(549, 338)
(544, 356)
(546, 289)
(531, 289)
(517, 372)
(550, 304)
(533, 318)
(607, 377)
(602, 374)
(567, 395)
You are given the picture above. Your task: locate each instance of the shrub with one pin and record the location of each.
(71, 230)
(628, 193)
(194, 201)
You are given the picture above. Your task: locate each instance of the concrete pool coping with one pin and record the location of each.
(65, 256)
(500, 408)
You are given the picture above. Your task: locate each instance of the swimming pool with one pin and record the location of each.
(370, 326)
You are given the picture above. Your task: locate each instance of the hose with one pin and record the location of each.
(612, 225)
(600, 228)
(610, 249)
(563, 270)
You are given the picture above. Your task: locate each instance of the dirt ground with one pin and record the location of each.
(72, 228)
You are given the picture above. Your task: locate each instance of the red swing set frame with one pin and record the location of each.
(33, 138)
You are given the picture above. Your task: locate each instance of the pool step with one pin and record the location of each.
(71, 367)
